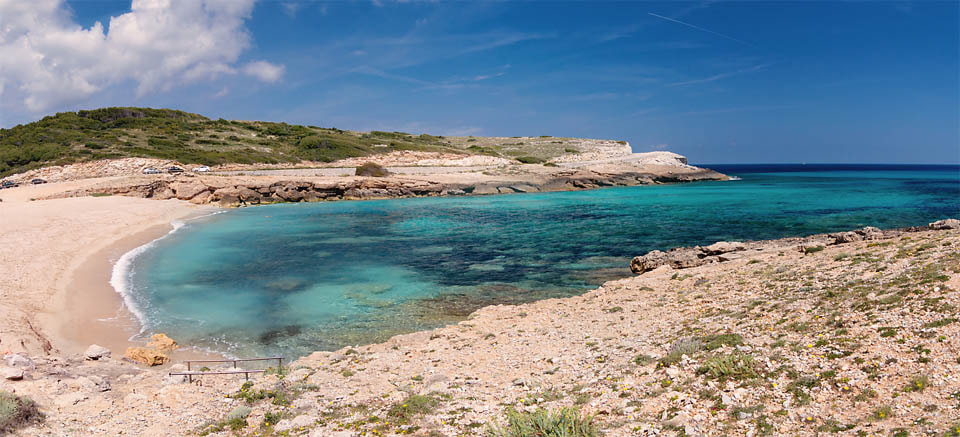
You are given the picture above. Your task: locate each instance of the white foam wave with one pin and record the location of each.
(122, 272)
(735, 178)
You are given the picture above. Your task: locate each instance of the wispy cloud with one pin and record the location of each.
(507, 40)
(368, 70)
(717, 77)
(702, 29)
(488, 76)
(737, 109)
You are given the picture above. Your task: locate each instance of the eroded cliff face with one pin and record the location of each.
(241, 191)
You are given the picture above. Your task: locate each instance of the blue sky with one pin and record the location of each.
(720, 82)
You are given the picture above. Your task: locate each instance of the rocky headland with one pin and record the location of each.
(254, 186)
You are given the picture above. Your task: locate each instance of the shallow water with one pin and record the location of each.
(290, 279)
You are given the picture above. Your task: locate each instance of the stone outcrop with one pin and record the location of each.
(867, 233)
(686, 257)
(233, 192)
(945, 224)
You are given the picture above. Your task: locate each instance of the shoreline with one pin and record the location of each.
(100, 314)
(599, 352)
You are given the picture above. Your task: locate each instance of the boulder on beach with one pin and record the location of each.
(96, 352)
(145, 356)
(162, 343)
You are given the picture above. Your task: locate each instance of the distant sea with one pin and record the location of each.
(290, 279)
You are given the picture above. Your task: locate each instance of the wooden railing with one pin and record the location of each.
(246, 372)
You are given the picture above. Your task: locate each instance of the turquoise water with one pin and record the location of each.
(293, 278)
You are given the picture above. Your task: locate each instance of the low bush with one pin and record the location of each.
(16, 412)
(736, 365)
(372, 169)
(679, 348)
(565, 422)
(412, 406)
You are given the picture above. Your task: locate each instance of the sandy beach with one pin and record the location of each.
(59, 260)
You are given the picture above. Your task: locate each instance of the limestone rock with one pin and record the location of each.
(485, 189)
(162, 343)
(12, 373)
(187, 190)
(201, 198)
(163, 193)
(945, 224)
(846, 237)
(870, 233)
(248, 195)
(722, 247)
(145, 356)
(227, 196)
(93, 384)
(678, 258)
(96, 352)
(18, 360)
(729, 257)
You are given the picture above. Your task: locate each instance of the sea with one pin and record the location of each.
(290, 279)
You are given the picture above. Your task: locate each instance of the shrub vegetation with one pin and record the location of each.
(565, 422)
(16, 412)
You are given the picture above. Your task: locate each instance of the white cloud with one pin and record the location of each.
(48, 60)
(264, 71)
(290, 8)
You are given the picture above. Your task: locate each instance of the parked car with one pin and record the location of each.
(38, 181)
(201, 169)
(8, 184)
(174, 169)
(151, 170)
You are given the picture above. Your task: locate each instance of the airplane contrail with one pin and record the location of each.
(700, 28)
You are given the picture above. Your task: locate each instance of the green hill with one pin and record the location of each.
(106, 133)
(189, 138)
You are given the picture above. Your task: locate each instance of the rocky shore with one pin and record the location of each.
(242, 190)
(853, 333)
